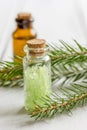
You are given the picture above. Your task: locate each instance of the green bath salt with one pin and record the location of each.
(37, 73)
(37, 84)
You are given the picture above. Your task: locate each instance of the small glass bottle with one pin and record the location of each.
(37, 73)
(23, 33)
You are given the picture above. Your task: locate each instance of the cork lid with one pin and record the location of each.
(36, 43)
(24, 16)
(36, 46)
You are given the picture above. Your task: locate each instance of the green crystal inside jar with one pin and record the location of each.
(37, 85)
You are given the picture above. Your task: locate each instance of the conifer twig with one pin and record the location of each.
(65, 62)
(73, 96)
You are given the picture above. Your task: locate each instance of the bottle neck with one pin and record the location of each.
(24, 24)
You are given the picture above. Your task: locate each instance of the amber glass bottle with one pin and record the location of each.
(23, 32)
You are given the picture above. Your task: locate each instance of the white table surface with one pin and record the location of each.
(14, 117)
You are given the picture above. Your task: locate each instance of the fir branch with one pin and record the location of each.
(67, 62)
(66, 54)
(76, 73)
(11, 74)
(73, 96)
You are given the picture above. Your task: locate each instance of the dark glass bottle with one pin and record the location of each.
(23, 32)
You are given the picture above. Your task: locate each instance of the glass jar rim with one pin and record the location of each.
(26, 48)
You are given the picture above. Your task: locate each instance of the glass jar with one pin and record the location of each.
(37, 73)
(23, 32)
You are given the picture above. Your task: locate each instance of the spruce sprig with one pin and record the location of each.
(11, 74)
(72, 96)
(69, 74)
(66, 54)
(67, 62)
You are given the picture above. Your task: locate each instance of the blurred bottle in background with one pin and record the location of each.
(23, 32)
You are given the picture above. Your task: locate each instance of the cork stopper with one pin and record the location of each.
(36, 43)
(36, 46)
(24, 16)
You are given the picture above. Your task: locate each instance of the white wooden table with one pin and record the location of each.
(14, 117)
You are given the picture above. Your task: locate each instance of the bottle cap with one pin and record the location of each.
(36, 46)
(24, 16)
(36, 43)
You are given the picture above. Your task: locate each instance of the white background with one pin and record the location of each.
(54, 19)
